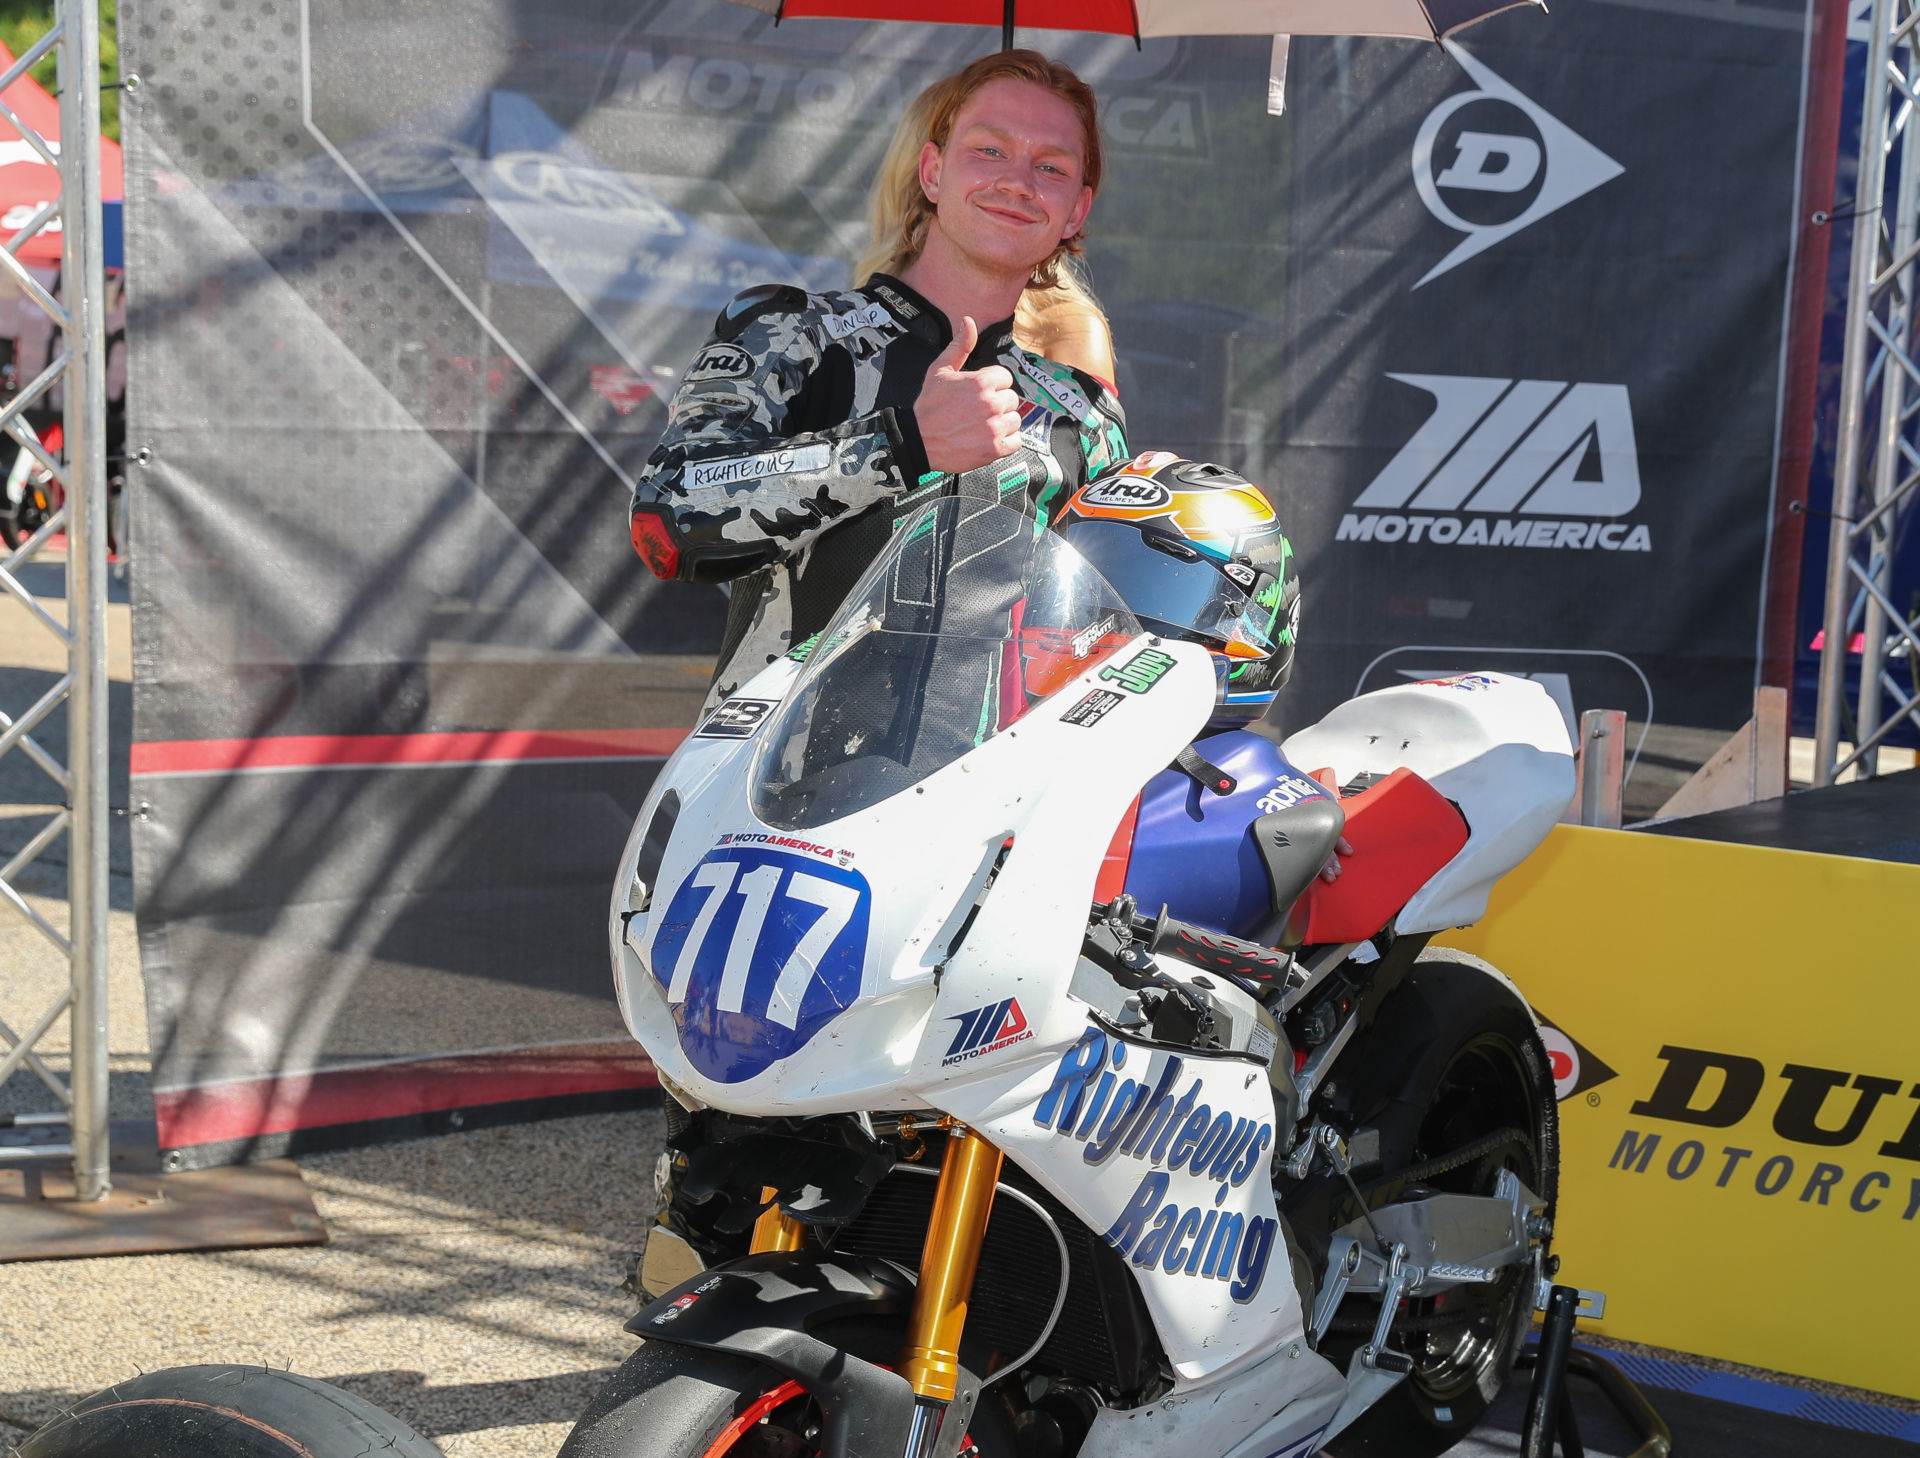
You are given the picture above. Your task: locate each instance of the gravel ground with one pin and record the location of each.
(470, 1287)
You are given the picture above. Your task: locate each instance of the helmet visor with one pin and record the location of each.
(1190, 597)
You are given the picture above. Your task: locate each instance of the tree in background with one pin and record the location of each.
(22, 22)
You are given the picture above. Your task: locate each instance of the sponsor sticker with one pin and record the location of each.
(873, 316)
(1093, 708)
(720, 362)
(672, 1313)
(987, 1030)
(736, 719)
(1127, 491)
(1064, 393)
(1288, 791)
(1472, 683)
(786, 842)
(1084, 640)
(1140, 672)
(734, 470)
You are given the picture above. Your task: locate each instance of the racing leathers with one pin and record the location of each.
(791, 451)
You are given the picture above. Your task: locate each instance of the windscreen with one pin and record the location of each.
(970, 617)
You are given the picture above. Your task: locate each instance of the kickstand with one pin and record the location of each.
(1550, 1409)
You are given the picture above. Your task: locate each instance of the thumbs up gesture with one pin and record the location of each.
(967, 418)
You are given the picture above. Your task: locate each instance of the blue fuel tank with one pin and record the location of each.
(1191, 850)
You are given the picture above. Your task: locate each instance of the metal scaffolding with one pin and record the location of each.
(79, 313)
(1877, 455)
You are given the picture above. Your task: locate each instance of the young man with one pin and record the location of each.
(810, 423)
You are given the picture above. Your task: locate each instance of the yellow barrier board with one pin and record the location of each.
(1738, 1051)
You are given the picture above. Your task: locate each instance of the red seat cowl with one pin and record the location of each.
(1402, 831)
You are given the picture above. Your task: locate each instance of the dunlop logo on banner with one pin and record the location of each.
(1855, 1141)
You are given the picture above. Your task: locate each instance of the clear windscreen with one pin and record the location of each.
(970, 617)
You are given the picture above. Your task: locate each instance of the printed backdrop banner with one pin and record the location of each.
(1702, 1089)
(1497, 323)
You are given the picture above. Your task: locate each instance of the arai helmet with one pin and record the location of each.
(1196, 551)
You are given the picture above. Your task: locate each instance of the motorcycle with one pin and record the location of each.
(1032, 1090)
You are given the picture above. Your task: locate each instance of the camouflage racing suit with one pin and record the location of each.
(791, 450)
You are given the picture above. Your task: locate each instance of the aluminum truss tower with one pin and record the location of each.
(1877, 456)
(80, 315)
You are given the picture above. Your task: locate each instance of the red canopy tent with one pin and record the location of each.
(27, 182)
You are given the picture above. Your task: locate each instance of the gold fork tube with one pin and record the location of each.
(774, 1231)
(961, 1205)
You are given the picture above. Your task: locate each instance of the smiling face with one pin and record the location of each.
(1009, 185)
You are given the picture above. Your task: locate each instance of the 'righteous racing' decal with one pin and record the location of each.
(758, 951)
(1176, 1135)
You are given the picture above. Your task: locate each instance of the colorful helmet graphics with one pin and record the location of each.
(1196, 551)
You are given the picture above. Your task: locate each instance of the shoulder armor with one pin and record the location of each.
(766, 299)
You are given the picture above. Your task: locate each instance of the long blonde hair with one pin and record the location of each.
(899, 214)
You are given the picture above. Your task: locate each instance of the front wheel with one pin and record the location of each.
(1477, 1098)
(668, 1401)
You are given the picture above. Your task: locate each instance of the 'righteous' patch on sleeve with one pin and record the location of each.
(732, 470)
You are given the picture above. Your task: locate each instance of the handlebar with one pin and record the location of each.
(1203, 947)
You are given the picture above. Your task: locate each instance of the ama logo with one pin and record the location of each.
(758, 951)
(1490, 162)
(987, 1030)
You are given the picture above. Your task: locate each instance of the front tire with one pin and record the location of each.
(1480, 1080)
(668, 1401)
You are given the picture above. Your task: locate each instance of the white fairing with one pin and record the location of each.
(1494, 744)
(1166, 1155)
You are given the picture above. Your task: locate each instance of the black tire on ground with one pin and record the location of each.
(667, 1401)
(1485, 1069)
(224, 1411)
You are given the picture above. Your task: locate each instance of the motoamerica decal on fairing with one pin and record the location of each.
(1178, 1136)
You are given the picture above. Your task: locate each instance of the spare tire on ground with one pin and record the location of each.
(225, 1411)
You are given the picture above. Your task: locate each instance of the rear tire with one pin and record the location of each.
(1482, 1068)
(224, 1411)
(668, 1401)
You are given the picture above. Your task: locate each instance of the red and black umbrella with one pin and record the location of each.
(1144, 19)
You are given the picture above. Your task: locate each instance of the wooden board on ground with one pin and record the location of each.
(232, 1207)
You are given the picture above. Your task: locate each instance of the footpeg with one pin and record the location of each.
(1386, 1360)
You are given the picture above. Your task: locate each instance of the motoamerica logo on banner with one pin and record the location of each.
(1556, 461)
(1533, 161)
(1858, 1118)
